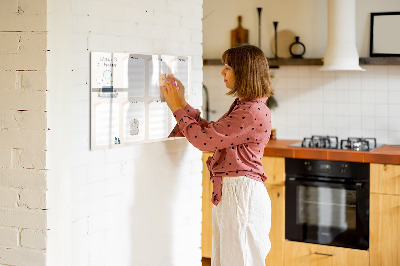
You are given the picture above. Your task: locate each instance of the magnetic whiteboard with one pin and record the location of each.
(126, 103)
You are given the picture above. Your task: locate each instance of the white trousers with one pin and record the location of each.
(241, 223)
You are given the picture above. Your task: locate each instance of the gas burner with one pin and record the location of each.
(358, 144)
(327, 142)
(332, 142)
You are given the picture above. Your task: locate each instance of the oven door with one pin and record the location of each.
(327, 213)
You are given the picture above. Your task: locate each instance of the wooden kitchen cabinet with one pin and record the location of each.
(385, 178)
(277, 233)
(274, 168)
(384, 215)
(206, 225)
(305, 254)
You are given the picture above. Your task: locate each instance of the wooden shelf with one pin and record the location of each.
(273, 63)
(380, 61)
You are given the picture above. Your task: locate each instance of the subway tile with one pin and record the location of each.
(380, 84)
(354, 82)
(367, 96)
(342, 83)
(394, 110)
(367, 133)
(381, 123)
(355, 122)
(367, 109)
(342, 96)
(394, 83)
(291, 71)
(303, 82)
(342, 122)
(355, 132)
(342, 133)
(355, 109)
(329, 122)
(382, 136)
(368, 122)
(394, 137)
(328, 74)
(381, 110)
(329, 109)
(394, 123)
(317, 120)
(304, 72)
(292, 82)
(317, 95)
(380, 71)
(317, 131)
(380, 97)
(316, 82)
(317, 107)
(355, 96)
(342, 109)
(316, 72)
(394, 71)
(329, 94)
(394, 97)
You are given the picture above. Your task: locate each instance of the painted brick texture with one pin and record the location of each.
(23, 125)
(139, 205)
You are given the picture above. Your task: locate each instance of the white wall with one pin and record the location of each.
(306, 19)
(23, 133)
(311, 102)
(138, 205)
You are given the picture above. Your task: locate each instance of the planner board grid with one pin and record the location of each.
(126, 103)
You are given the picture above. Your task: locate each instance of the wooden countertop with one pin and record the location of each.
(389, 154)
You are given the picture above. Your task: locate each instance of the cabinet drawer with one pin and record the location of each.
(304, 254)
(385, 178)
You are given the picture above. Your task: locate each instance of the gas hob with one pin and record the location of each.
(332, 142)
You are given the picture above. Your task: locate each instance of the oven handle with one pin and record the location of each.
(357, 185)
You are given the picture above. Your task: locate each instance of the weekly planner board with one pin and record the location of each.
(127, 105)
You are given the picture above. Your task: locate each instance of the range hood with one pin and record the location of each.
(341, 51)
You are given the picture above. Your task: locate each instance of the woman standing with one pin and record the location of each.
(242, 208)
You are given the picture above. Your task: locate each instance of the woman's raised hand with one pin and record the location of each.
(173, 94)
(181, 92)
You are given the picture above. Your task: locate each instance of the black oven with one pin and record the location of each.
(327, 202)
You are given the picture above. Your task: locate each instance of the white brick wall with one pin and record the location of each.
(139, 205)
(23, 126)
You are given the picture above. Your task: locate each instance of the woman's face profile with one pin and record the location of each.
(229, 76)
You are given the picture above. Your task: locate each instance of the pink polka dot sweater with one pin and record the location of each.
(238, 139)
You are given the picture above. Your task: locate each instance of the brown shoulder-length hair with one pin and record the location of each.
(250, 66)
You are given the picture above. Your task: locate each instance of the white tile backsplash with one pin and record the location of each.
(343, 103)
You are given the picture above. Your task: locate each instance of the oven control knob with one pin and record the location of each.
(343, 168)
(308, 166)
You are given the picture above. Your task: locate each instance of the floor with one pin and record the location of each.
(206, 261)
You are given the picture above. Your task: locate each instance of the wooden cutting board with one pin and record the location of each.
(239, 35)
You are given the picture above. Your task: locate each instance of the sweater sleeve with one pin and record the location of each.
(193, 113)
(229, 131)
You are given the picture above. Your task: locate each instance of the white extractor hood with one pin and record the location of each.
(341, 51)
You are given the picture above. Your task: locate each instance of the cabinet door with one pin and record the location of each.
(274, 168)
(304, 254)
(385, 178)
(277, 233)
(206, 225)
(384, 230)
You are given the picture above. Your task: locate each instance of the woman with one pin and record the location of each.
(242, 208)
